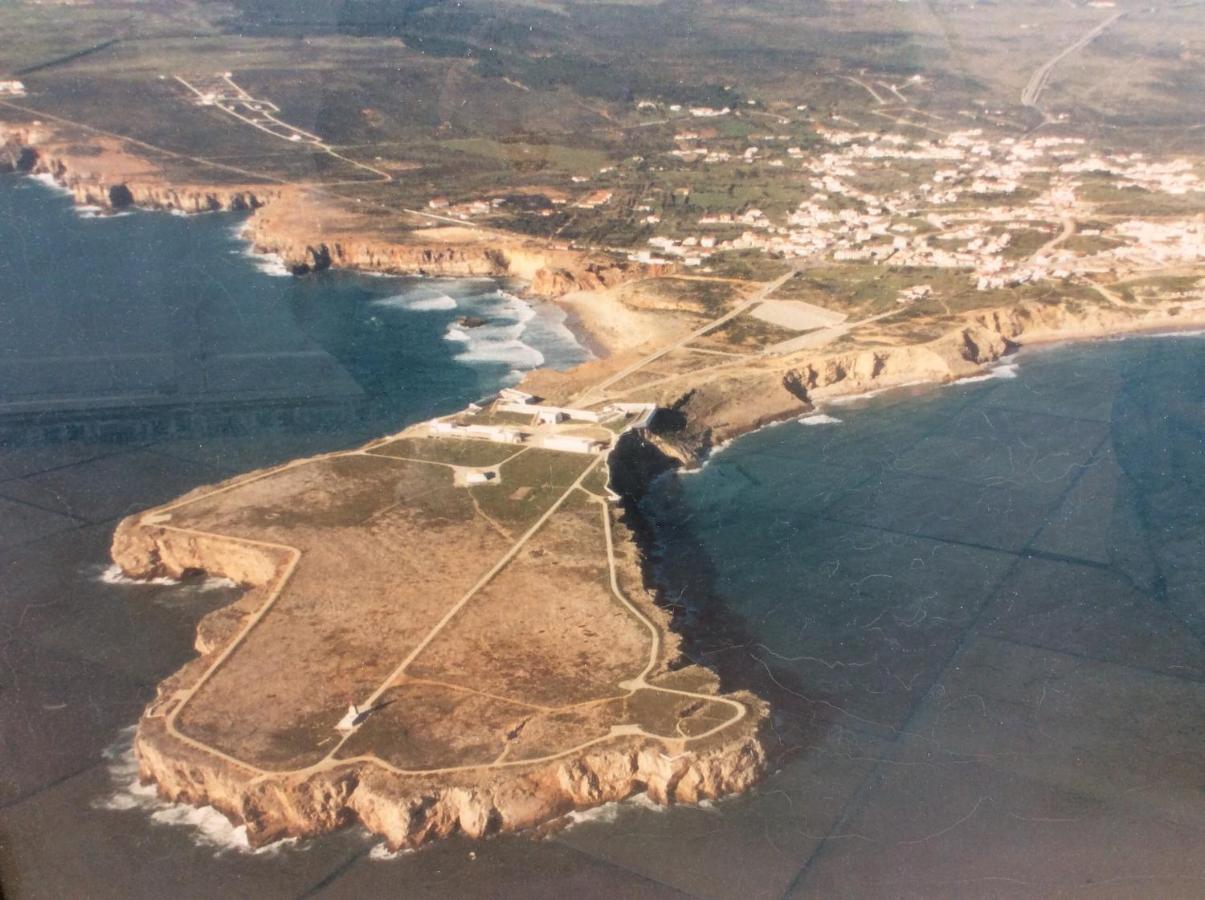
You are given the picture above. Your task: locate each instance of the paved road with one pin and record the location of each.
(1041, 77)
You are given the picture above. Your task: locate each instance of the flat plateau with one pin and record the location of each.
(439, 634)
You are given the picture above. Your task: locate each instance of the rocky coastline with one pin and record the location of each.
(110, 178)
(409, 810)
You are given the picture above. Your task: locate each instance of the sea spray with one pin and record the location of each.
(815, 419)
(266, 262)
(1003, 370)
(207, 826)
(438, 303)
(113, 575)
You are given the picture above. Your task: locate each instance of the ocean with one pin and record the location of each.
(975, 609)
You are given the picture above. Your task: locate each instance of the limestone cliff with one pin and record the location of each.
(105, 174)
(407, 809)
(310, 234)
(720, 406)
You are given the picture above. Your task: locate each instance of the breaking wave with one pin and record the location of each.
(417, 304)
(818, 419)
(46, 179)
(113, 575)
(501, 340)
(267, 263)
(210, 829)
(1004, 370)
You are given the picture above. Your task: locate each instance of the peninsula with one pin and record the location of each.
(450, 629)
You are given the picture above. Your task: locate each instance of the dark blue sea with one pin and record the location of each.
(976, 609)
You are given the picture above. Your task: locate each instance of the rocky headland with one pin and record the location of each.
(705, 408)
(309, 233)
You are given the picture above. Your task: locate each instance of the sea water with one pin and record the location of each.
(975, 610)
(145, 317)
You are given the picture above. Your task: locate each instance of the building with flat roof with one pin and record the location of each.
(569, 443)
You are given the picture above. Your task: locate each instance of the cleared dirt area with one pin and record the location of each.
(796, 314)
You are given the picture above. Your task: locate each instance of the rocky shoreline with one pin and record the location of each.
(408, 810)
(113, 179)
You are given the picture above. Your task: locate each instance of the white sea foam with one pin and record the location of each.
(547, 331)
(381, 852)
(268, 263)
(113, 575)
(607, 813)
(47, 179)
(818, 419)
(209, 828)
(1003, 370)
(866, 395)
(417, 304)
(500, 340)
(1187, 333)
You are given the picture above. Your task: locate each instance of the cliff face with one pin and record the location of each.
(450, 260)
(551, 272)
(556, 281)
(286, 222)
(409, 811)
(729, 404)
(111, 178)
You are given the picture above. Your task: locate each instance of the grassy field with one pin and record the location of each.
(457, 453)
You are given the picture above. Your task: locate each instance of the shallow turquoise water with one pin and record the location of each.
(976, 610)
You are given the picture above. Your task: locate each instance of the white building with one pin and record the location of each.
(643, 412)
(571, 444)
(350, 720)
(497, 433)
(552, 414)
(12, 88)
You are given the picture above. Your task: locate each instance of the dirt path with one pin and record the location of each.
(595, 393)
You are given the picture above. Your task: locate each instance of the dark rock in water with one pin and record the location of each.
(120, 196)
(27, 159)
(472, 321)
(318, 259)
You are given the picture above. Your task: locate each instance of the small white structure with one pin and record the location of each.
(480, 477)
(643, 413)
(350, 719)
(495, 433)
(551, 413)
(13, 88)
